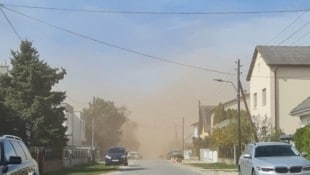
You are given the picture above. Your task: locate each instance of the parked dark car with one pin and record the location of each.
(175, 154)
(116, 156)
(15, 157)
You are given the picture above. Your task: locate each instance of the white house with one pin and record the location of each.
(195, 130)
(4, 68)
(75, 126)
(232, 104)
(279, 80)
(303, 112)
(205, 120)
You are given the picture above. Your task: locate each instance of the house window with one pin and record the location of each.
(255, 100)
(264, 97)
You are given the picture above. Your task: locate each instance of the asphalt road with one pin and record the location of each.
(162, 167)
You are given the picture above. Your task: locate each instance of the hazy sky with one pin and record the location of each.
(157, 93)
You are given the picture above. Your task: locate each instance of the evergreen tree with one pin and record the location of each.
(27, 92)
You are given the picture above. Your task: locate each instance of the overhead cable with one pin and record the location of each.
(114, 45)
(13, 28)
(298, 39)
(289, 25)
(160, 12)
(294, 33)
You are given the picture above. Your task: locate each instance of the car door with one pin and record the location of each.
(245, 163)
(27, 165)
(9, 152)
(33, 168)
(248, 161)
(242, 161)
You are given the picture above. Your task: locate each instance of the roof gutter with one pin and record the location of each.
(276, 99)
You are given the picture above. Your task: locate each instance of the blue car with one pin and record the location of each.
(116, 156)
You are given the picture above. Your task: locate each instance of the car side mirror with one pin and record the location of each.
(15, 160)
(247, 156)
(12, 160)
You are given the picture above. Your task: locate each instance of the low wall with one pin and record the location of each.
(208, 155)
(70, 157)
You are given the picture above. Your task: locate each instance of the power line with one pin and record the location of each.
(160, 12)
(7, 19)
(289, 25)
(294, 33)
(140, 53)
(304, 35)
(116, 46)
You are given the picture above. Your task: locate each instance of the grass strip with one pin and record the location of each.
(95, 169)
(213, 165)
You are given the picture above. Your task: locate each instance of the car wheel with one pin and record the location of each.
(107, 164)
(253, 172)
(239, 171)
(126, 163)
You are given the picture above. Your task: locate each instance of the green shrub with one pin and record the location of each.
(302, 139)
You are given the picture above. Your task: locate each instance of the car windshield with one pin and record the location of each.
(116, 150)
(275, 151)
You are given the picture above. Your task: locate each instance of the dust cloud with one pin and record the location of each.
(159, 117)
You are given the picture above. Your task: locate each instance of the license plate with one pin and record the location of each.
(114, 160)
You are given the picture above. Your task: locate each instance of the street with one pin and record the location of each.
(162, 167)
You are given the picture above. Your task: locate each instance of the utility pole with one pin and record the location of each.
(183, 136)
(239, 123)
(238, 150)
(249, 114)
(176, 136)
(199, 130)
(93, 131)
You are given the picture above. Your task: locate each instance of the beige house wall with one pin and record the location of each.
(294, 87)
(291, 87)
(262, 79)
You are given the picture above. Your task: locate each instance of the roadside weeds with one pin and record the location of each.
(211, 168)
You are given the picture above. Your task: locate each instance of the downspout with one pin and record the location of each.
(276, 99)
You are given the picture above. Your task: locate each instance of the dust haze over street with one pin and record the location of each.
(160, 167)
(153, 167)
(157, 93)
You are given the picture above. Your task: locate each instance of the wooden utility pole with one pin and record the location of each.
(93, 131)
(183, 135)
(248, 113)
(199, 130)
(239, 123)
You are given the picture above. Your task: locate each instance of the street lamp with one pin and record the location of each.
(239, 127)
(220, 80)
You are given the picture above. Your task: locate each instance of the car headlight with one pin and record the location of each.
(123, 156)
(265, 169)
(108, 157)
(307, 168)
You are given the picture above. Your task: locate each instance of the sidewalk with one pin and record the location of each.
(208, 171)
